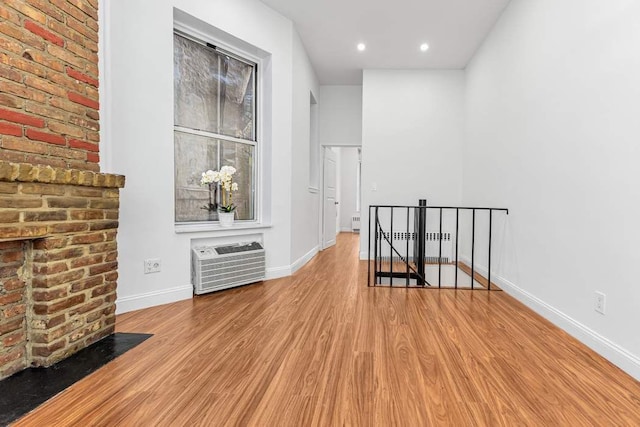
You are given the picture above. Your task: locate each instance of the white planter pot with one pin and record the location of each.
(226, 218)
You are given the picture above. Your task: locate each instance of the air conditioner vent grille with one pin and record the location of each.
(220, 267)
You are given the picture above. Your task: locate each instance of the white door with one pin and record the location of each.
(329, 212)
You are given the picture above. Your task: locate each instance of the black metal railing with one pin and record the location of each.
(410, 223)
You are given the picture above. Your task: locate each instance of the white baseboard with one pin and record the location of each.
(151, 299)
(166, 296)
(619, 356)
(303, 260)
(277, 272)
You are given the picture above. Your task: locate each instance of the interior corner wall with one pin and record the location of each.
(412, 137)
(139, 115)
(305, 202)
(552, 102)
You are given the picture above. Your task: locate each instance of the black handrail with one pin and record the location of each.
(419, 248)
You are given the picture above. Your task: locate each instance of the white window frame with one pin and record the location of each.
(246, 55)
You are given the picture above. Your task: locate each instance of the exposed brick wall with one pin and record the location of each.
(61, 294)
(13, 306)
(49, 83)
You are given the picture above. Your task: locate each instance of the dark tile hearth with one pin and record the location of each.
(27, 389)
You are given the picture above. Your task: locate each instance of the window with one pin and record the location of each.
(214, 126)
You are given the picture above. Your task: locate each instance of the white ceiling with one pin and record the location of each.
(392, 30)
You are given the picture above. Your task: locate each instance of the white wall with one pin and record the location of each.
(305, 202)
(347, 183)
(552, 133)
(340, 115)
(412, 136)
(138, 113)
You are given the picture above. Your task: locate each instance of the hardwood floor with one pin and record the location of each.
(320, 348)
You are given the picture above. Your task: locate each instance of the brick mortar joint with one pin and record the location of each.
(45, 174)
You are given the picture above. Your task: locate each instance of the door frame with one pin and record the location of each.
(321, 204)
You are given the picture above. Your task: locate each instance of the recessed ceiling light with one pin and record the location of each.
(424, 47)
(361, 47)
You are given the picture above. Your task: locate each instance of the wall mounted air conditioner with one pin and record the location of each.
(221, 267)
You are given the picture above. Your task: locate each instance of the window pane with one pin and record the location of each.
(195, 154)
(213, 92)
(240, 156)
(195, 85)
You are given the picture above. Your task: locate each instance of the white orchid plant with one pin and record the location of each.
(223, 177)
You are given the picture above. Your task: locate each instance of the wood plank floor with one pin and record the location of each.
(320, 348)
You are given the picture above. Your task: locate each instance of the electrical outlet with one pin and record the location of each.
(152, 265)
(601, 300)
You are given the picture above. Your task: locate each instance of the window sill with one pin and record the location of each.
(213, 227)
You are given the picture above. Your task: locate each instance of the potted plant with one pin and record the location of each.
(223, 178)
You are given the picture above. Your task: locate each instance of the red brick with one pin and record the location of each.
(9, 15)
(9, 45)
(93, 157)
(69, 9)
(87, 283)
(8, 257)
(49, 295)
(58, 306)
(44, 86)
(103, 268)
(103, 225)
(85, 7)
(45, 137)
(14, 116)
(10, 74)
(9, 129)
(84, 123)
(46, 7)
(22, 91)
(80, 27)
(10, 298)
(10, 245)
(50, 281)
(18, 33)
(43, 110)
(83, 145)
(13, 339)
(16, 310)
(46, 351)
(67, 82)
(36, 29)
(28, 66)
(11, 101)
(14, 354)
(20, 144)
(13, 284)
(49, 268)
(82, 100)
(27, 10)
(83, 239)
(42, 160)
(12, 325)
(64, 55)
